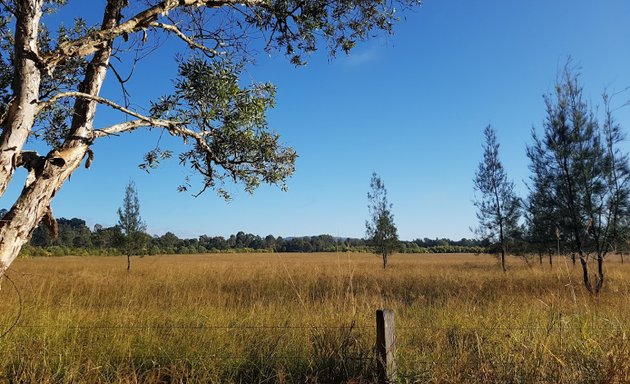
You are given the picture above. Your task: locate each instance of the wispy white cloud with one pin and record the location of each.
(357, 58)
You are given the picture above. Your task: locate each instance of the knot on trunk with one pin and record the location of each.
(56, 158)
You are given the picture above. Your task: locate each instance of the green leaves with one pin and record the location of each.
(212, 96)
(231, 139)
(498, 207)
(297, 26)
(130, 222)
(153, 157)
(380, 228)
(581, 178)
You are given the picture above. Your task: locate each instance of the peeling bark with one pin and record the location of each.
(49, 221)
(33, 203)
(21, 111)
(47, 174)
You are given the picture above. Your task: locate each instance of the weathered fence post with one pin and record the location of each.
(385, 346)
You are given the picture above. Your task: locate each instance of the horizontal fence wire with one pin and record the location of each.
(423, 366)
(455, 327)
(184, 327)
(297, 358)
(517, 328)
(418, 378)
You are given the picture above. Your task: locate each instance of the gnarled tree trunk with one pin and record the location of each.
(20, 115)
(46, 174)
(34, 202)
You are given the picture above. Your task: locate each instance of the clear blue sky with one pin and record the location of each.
(411, 107)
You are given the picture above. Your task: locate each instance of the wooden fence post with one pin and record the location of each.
(385, 346)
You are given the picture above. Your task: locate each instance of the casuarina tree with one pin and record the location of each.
(380, 228)
(131, 224)
(541, 213)
(497, 203)
(585, 173)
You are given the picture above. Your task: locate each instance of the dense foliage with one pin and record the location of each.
(76, 238)
(580, 192)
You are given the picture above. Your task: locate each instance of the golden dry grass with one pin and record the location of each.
(310, 318)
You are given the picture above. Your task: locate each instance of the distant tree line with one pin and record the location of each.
(76, 238)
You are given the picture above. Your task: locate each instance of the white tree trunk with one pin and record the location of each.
(19, 223)
(33, 203)
(20, 116)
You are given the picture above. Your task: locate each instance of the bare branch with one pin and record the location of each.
(44, 104)
(122, 82)
(175, 128)
(188, 40)
(129, 126)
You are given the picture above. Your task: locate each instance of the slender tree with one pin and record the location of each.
(588, 179)
(381, 231)
(497, 205)
(52, 74)
(131, 224)
(541, 214)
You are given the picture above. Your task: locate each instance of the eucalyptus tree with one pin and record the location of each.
(381, 231)
(52, 73)
(497, 205)
(587, 175)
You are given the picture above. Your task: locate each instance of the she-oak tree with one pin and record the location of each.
(581, 177)
(498, 206)
(51, 79)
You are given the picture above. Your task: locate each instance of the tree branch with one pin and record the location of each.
(122, 82)
(128, 126)
(188, 40)
(91, 44)
(142, 121)
(44, 104)
(176, 128)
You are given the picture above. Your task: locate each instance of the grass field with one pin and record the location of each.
(295, 318)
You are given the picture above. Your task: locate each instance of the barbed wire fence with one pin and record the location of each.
(459, 336)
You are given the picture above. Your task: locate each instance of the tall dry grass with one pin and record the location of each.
(310, 318)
